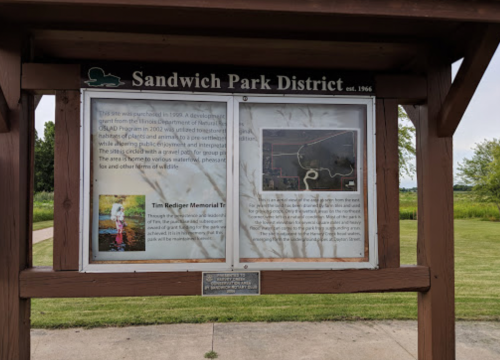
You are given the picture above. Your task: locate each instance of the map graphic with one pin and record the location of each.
(309, 160)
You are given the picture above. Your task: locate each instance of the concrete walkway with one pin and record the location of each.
(44, 234)
(381, 340)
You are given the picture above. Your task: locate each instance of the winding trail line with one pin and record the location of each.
(315, 171)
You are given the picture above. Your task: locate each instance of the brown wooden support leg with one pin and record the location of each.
(15, 229)
(388, 184)
(436, 307)
(67, 180)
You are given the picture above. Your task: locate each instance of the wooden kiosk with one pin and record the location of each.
(407, 47)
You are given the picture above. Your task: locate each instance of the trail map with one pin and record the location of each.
(309, 160)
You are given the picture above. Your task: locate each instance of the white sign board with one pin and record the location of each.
(192, 182)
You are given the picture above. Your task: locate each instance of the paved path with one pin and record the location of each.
(44, 234)
(380, 340)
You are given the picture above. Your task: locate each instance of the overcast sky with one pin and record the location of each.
(481, 120)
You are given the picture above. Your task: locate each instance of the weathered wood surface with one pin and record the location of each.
(67, 181)
(14, 196)
(36, 100)
(44, 282)
(406, 89)
(49, 77)
(436, 307)
(480, 11)
(387, 183)
(4, 113)
(411, 278)
(246, 51)
(468, 77)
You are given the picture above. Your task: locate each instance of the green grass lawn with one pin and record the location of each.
(466, 205)
(43, 225)
(477, 254)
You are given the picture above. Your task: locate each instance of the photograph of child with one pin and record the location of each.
(121, 223)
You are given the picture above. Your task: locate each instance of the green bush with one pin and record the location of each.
(43, 214)
(43, 206)
(43, 197)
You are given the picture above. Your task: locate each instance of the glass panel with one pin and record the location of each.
(302, 182)
(158, 180)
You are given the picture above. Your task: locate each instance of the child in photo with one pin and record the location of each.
(120, 219)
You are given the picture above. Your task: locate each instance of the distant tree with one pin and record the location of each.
(44, 159)
(406, 145)
(483, 171)
(460, 187)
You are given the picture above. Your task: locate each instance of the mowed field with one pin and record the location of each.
(477, 274)
(466, 205)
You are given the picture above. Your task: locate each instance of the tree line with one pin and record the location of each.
(480, 173)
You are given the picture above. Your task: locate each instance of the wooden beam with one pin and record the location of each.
(387, 183)
(4, 113)
(407, 89)
(413, 113)
(67, 180)
(408, 278)
(36, 100)
(481, 11)
(436, 307)
(15, 226)
(50, 77)
(44, 282)
(244, 51)
(468, 77)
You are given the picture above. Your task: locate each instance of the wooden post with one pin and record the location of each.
(436, 307)
(388, 183)
(67, 180)
(15, 228)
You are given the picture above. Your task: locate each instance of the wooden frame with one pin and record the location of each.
(433, 9)
(4, 113)
(15, 187)
(43, 282)
(413, 69)
(470, 73)
(389, 89)
(67, 180)
(388, 183)
(391, 86)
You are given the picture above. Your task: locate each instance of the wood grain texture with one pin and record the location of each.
(4, 113)
(67, 181)
(36, 100)
(436, 307)
(50, 76)
(14, 196)
(29, 106)
(44, 282)
(481, 11)
(411, 278)
(413, 112)
(354, 55)
(387, 183)
(468, 77)
(407, 89)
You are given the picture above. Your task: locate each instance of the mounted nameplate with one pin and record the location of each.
(231, 283)
(225, 79)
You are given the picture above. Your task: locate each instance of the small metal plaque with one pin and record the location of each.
(231, 283)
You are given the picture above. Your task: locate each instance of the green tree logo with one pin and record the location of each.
(98, 78)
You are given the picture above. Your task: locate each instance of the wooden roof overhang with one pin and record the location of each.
(408, 44)
(386, 37)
